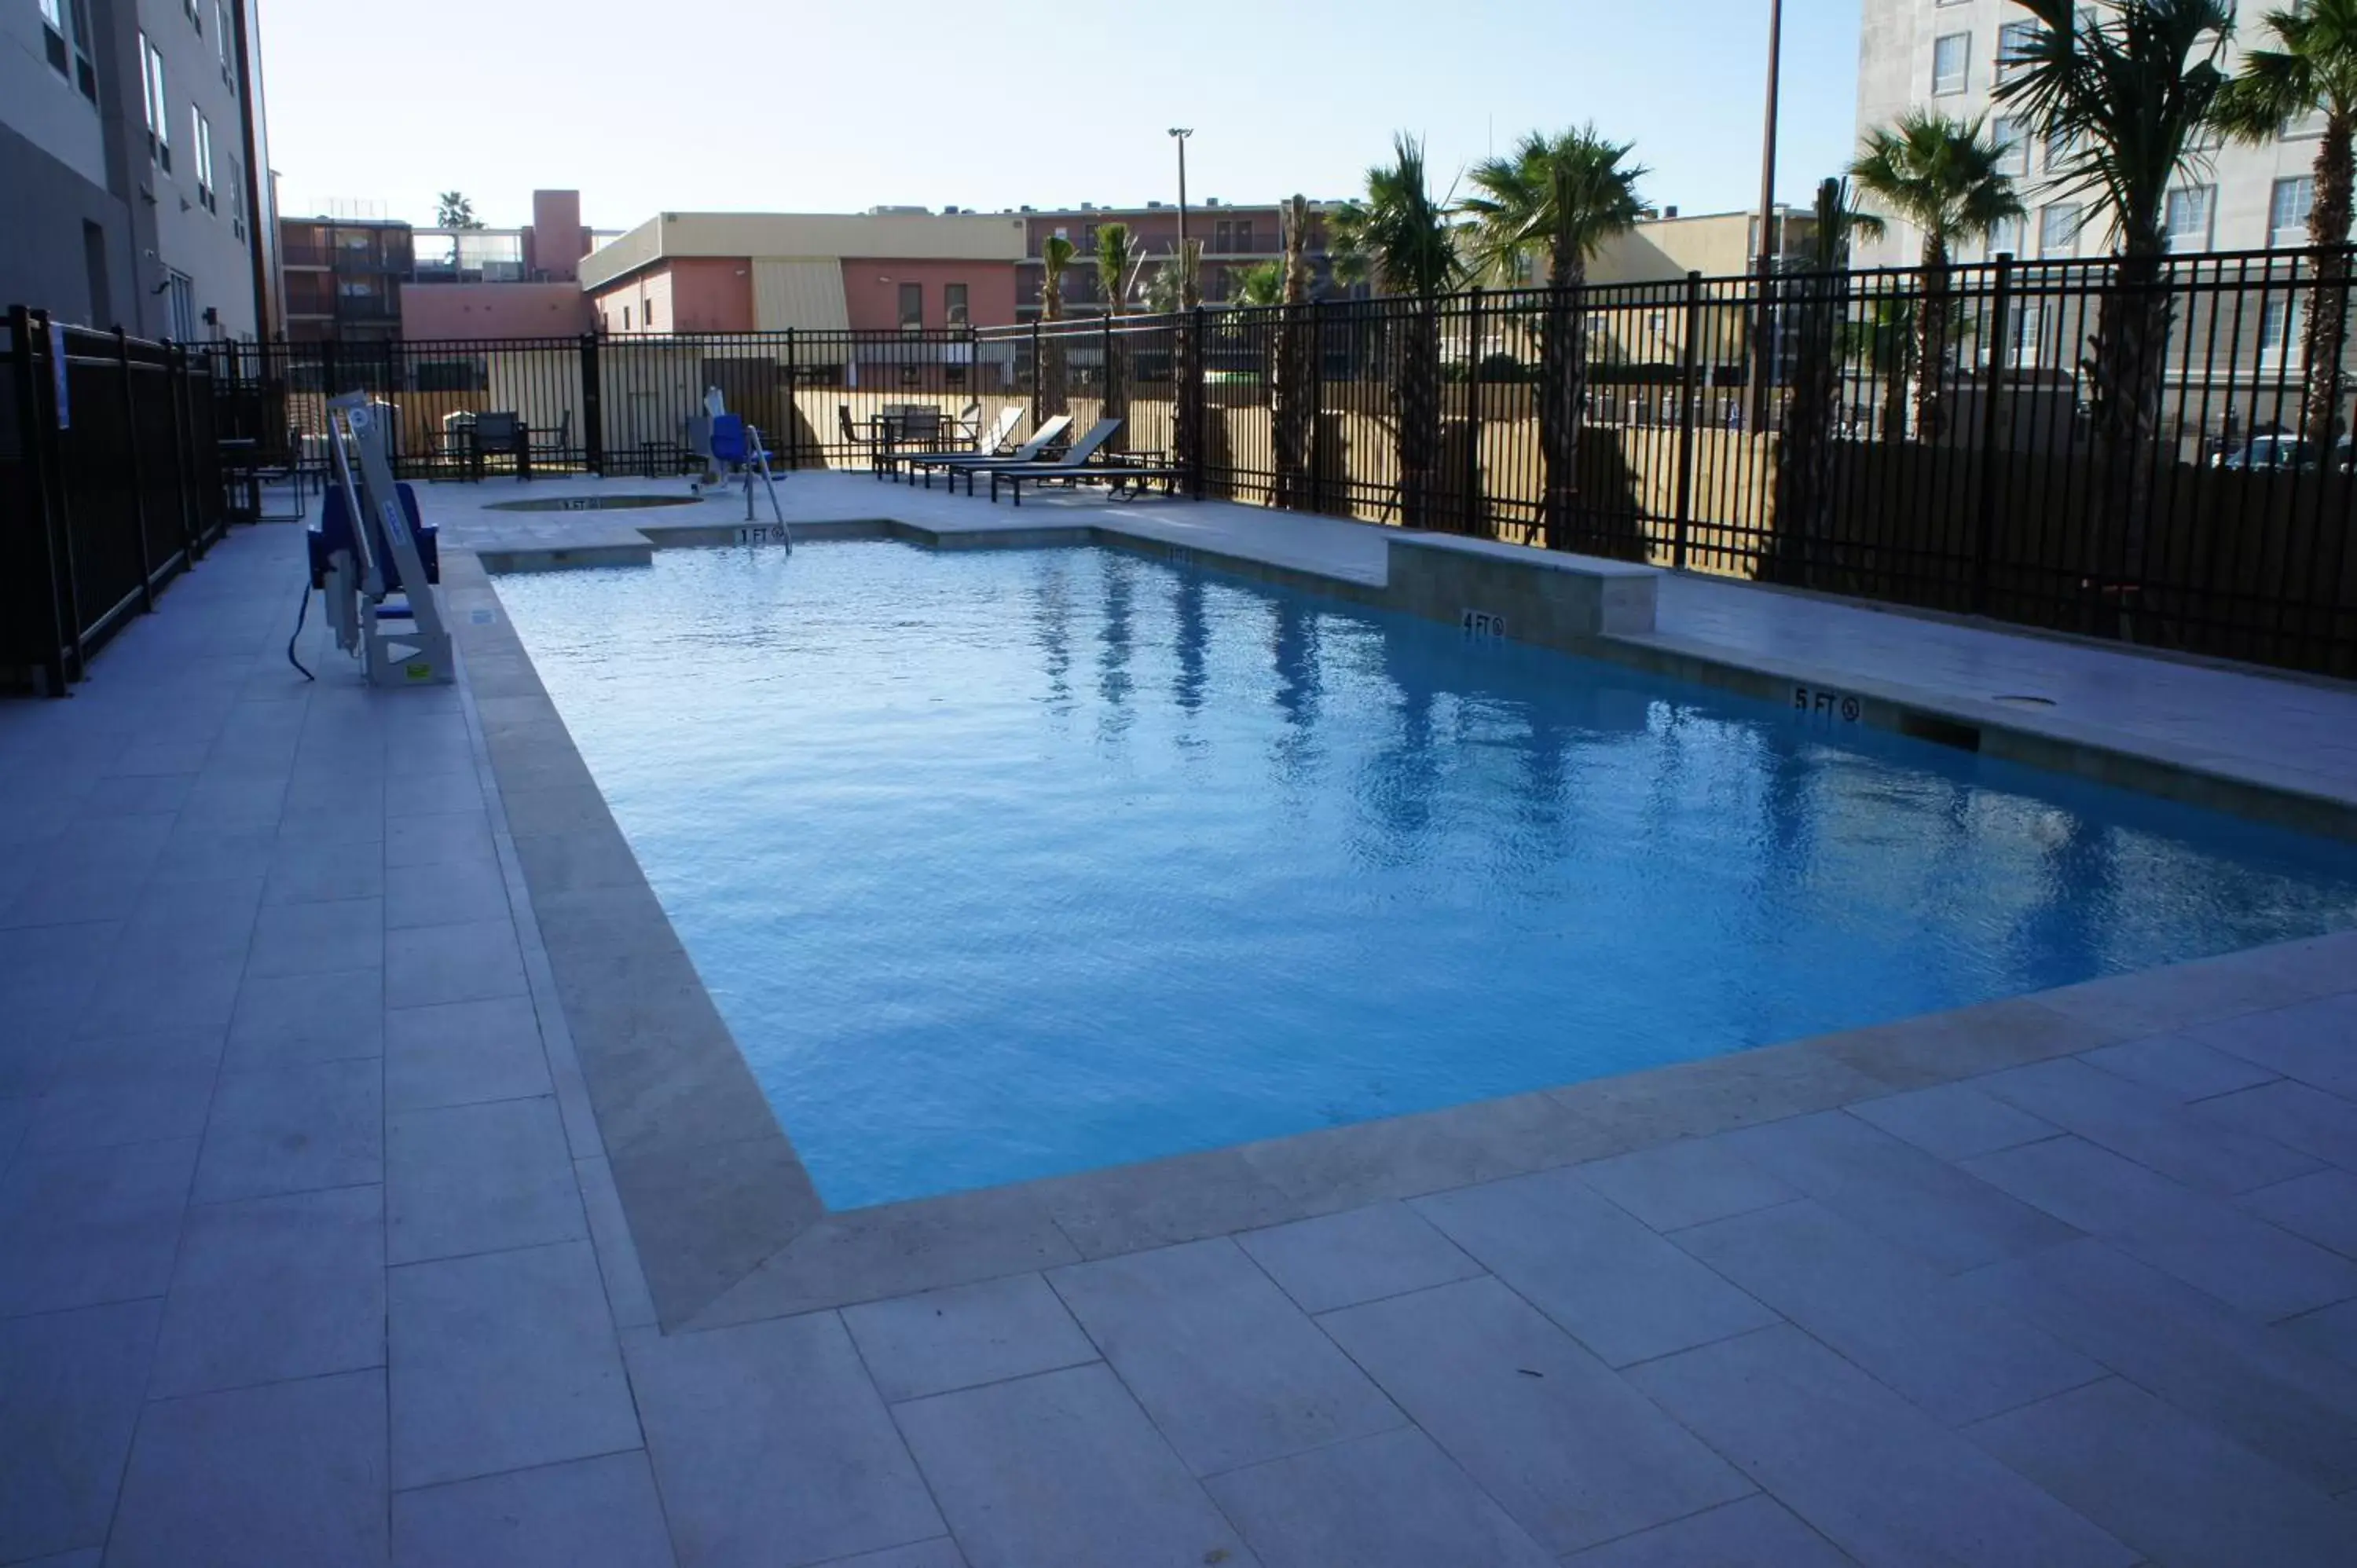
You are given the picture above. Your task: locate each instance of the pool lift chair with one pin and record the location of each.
(729, 446)
(376, 559)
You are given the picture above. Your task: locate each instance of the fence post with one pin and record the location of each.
(793, 415)
(1316, 454)
(174, 378)
(44, 471)
(1037, 389)
(593, 411)
(1200, 404)
(1992, 395)
(1686, 401)
(1104, 375)
(138, 472)
(392, 388)
(1473, 509)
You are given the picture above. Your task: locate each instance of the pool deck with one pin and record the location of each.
(372, 1186)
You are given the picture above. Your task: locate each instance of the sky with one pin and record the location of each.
(840, 105)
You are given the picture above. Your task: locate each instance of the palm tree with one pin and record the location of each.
(2312, 71)
(1261, 284)
(1056, 254)
(1399, 239)
(1565, 196)
(1798, 545)
(1116, 253)
(453, 211)
(2129, 93)
(1946, 177)
(1293, 385)
(1883, 343)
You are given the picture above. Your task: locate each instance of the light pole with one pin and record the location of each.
(1763, 352)
(1179, 134)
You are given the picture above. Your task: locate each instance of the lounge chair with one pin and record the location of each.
(1127, 476)
(1044, 441)
(1077, 452)
(990, 443)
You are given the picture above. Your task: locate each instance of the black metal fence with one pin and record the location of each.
(1961, 443)
(1977, 442)
(110, 486)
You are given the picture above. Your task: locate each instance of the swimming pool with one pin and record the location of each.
(1003, 863)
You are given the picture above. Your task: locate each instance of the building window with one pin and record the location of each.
(912, 307)
(180, 306)
(53, 36)
(2058, 228)
(1244, 235)
(1224, 237)
(2004, 237)
(2014, 40)
(196, 15)
(2059, 150)
(159, 125)
(85, 73)
(2012, 138)
(1951, 57)
(204, 150)
(2287, 211)
(953, 303)
(221, 33)
(2304, 127)
(2279, 333)
(2184, 222)
(626, 319)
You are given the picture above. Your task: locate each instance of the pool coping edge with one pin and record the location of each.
(728, 1227)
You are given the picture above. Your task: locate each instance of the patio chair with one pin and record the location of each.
(552, 446)
(990, 443)
(1046, 442)
(501, 430)
(850, 431)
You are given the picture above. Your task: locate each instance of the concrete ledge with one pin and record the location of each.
(2051, 743)
(1542, 597)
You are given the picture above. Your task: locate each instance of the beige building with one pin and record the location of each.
(1947, 55)
(740, 271)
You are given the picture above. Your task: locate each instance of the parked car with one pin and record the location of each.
(2268, 452)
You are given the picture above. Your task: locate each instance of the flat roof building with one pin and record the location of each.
(737, 272)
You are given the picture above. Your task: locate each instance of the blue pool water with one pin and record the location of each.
(1001, 865)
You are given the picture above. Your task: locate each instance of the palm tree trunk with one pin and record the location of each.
(1563, 372)
(2131, 340)
(1055, 387)
(1893, 338)
(1417, 408)
(1796, 552)
(1291, 411)
(1931, 341)
(2327, 332)
(1293, 380)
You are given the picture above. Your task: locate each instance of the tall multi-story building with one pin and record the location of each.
(1233, 238)
(372, 279)
(133, 159)
(1949, 55)
(343, 277)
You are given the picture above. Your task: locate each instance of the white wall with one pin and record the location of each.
(1896, 43)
